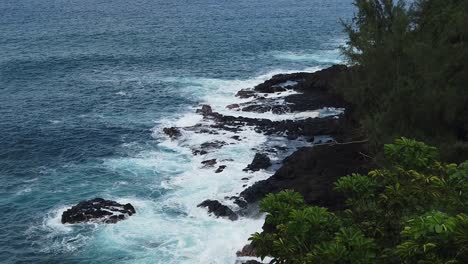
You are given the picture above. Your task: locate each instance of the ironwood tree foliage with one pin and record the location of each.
(414, 210)
(410, 73)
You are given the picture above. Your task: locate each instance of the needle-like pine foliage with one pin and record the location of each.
(411, 71)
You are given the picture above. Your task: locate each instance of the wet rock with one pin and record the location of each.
(213, 144)
(279, 82)
(257, 108)
(220, 169)
(207, 146)
(260, 161)
(236, 138)
(247, 251)
(199, 152)
(97, 210)
(209, 163)
(245, 93)
(205, 110)
(218, 209)
(252, 262)
(172, 132)
(232, 106)
(312, 172)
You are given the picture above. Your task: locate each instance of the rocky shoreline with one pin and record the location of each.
(330, 146)
(334, 145)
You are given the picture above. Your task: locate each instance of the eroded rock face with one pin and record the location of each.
(97, 210)
(219, 209)
(260, 161)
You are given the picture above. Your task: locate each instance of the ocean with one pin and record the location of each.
(86, 88)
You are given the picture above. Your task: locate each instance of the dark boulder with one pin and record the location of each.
(207, 146)
(205, 110)
(172, 132)
(245, 93)
(232, 106)
(260, 161)
(218, 209)
(247, 251)
(322, 80)
(209, 163)
(97, 210)
(280, 82)
(312, 171)
(220, 169)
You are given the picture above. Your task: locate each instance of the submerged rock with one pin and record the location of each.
(218, 209)
(98, 210)
(260, 161)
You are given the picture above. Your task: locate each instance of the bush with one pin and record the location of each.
(413, 210)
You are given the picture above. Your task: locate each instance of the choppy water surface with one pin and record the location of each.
(85, 89)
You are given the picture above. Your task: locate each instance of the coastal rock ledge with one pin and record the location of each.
(97, 210)
(219, 209)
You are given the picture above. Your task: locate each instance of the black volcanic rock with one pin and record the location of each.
(312, 172)
(208, 146)
(209, 163)
(98, 210)
(205, 110)
(232, 106)
(323, 80)
(252, 262)
(172, 132)
(220, 169)
(245, 93)
(278, 83)
(218, 209)
(260, 161)
(247, 251)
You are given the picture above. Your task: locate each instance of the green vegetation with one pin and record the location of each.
(410, 74)
(413, 210)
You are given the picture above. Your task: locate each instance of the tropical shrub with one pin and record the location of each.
(412, 210)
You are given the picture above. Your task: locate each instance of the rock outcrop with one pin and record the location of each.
(219, 209)
(260, 161)
(312, 172)
(97, 210)
(172, 132)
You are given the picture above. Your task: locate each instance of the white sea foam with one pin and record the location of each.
(324, 56)
(171, 228)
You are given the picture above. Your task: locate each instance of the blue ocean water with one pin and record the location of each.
(86, 86)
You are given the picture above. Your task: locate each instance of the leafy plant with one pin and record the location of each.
(410, 211)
